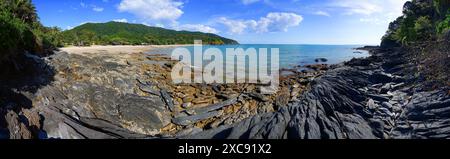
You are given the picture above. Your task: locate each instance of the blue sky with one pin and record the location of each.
(248, 21)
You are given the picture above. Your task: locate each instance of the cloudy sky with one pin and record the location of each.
(248, 21)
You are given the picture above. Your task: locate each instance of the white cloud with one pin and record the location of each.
(197, 27)
(121, 20)
(153, 10)
(273, 22)
(322, 13)
(69, 28)
(153, 25)
(281, 21)
(83, 5)
(379, 12)
(368, 7)
(246, 2)
(94, 7)
(372, 21)
(159, 25)
(97, 9)
(234, 26)
(351, 7)
(88, 22)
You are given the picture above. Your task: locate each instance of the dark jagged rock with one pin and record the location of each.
(96, 101)
(347, 102)
(371, 98)
(426, 116)
(378, 97)
(332, 109)
(389, 43)
(321, 60)
(358, 62)
(318, 67)
(338, 105)
(380, 77)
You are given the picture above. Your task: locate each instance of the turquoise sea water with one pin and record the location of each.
(293, 55)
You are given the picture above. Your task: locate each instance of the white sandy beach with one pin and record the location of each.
(119, 49)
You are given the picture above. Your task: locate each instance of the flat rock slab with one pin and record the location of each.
(216, 106)
(168, 99)
(146, 113)
(189, 120)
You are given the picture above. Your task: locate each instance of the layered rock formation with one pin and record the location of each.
(129, 96)
(371, 98)
(119, 95)
(396, 93)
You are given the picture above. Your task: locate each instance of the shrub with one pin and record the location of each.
(444, 25)
(423, 27)
(406, 32)
(14, 35)
(20, 30)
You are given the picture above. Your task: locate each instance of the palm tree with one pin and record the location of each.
(22, 9)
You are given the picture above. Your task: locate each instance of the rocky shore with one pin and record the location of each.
(372, 98)
(130, 95)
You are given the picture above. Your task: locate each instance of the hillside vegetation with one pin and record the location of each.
(21, 31)
(117, 33)
(424, 32)
(422, 20)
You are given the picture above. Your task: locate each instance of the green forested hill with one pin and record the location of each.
(135, 34)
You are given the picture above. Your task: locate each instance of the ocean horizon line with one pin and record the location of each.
(305, 44)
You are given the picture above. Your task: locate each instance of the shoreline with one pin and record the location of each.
(115, 49)
(354, 99)
(126, 51)
(134, 49)
(142, 88)
(366, 98)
